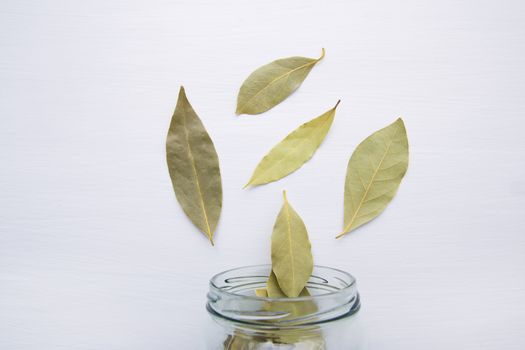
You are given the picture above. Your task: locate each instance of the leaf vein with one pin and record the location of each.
(197, 182)
(288, 221)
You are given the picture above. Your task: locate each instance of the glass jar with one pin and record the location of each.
(326, 319)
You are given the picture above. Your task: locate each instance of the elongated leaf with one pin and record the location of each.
(307, 338)
(242, 341)
(294, 150)
(261, 292)
(272, 287)
(374, 173)
(297, 310)
(274, 291)
(271, 84)
(292, 260)
(194, 167)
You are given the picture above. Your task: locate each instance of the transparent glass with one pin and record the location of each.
(327, 319)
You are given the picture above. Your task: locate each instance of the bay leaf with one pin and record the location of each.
(274, 291)
(374, 174)
(272, 287)
(294, 150)
(306, 338)
(240, 341)
(272, 83)
(295, 308)
(261, 292)
(292, 260)
(303, 339)
(194, 167)
(294, 339)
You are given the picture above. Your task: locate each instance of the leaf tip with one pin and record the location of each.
(322, 54)
(337, 104)
(399, 120)
(182, 93)
(284, 196)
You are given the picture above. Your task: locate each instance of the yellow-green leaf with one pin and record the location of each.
(272, 287)
(294, 150)
(244, 341)
(374, 173)
(274, 291)
(296, 309)
(292, 260)
(271, 84)
(261, 292)
(194, 167)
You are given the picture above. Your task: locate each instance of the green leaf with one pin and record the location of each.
(271, 84)
(292, 260)
(194, 167)
(374, 173)
(294, 150)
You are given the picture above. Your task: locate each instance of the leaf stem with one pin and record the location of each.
(322, 55)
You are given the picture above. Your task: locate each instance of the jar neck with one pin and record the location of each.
(333, 295)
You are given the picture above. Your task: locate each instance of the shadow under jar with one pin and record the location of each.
(326, 319)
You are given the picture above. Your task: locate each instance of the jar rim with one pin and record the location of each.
(231, 297)
(348, 285)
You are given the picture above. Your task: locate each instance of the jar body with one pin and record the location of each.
(345, 333)
(327, 319)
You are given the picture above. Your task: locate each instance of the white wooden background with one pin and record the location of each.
(95, 252)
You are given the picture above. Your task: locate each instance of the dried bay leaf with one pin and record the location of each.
(374, 173)
(274, 291)
(294, 150)
(293, 311)
(295, 339)
(292, 260)
(297, 310)
(303, 339)
(240, 341)
(194, 167)
(272, 287)
(261, 292)
(272, 83)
